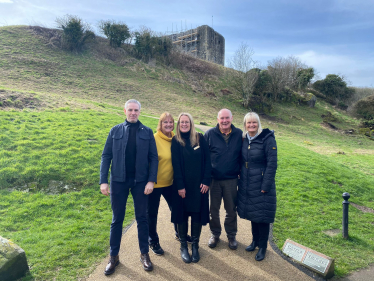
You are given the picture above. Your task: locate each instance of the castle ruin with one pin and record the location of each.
(202, 42)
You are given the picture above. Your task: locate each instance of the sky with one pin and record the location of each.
(332, 36)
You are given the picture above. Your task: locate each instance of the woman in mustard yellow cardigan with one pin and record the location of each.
(164, 185)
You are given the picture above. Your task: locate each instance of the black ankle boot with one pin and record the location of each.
(252, 247)
(195, 236)
(260, 254)
(182, 231)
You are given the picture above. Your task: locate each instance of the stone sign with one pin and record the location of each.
(13, 263)
(309, 258)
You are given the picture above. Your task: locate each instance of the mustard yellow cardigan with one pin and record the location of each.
(165, 168)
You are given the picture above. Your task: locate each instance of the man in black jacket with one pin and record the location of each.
(131, 150)
(225, 142)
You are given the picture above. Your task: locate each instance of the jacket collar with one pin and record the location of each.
(218, 131)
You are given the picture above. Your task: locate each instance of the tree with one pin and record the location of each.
(244, 77)
(149, 45)
(75, 32)
(304, 76)
(284, 73)
(334, 87)
(116, 32)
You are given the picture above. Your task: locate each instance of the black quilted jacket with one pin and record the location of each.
(258, 168)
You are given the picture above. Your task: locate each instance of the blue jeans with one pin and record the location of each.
(119, 192)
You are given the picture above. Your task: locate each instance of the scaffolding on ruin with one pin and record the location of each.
(186, 41)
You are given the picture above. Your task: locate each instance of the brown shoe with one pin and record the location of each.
(213, 241)
(111, 267)
(233, 244)
(146, 262)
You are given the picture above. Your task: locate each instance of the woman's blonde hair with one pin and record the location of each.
(164, 116)
(194, 136)
(251, 116)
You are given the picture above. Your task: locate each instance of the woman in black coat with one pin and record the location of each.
(256, 191)
(191, 163)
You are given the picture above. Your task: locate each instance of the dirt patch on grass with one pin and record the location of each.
(19, 100)
(364, 151)
(363, 208)
(332, 232)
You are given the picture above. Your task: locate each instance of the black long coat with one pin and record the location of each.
(258, 168)
(178, 161)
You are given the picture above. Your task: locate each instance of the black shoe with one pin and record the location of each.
(233, 244)
(182, 231)
(156, 248)
(213, 241)
(111, 267)
(251, 247)
(260, 254)
(146, 262)
(184, 253)
(195, 252)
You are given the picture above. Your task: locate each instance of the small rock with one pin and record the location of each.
(13, 263)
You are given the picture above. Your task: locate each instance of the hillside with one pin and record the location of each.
(56, 109)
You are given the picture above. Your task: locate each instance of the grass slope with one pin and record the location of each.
(81, 98)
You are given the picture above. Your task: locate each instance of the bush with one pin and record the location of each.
(75, 32)
(116, 32)
(148, 45)
(334, 88)
(365, 108)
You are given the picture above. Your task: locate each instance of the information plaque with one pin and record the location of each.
(309, 258)
(315, 261)
(294, 251)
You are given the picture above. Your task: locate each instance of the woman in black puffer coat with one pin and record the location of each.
(256, 190)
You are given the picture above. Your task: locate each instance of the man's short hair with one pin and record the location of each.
(221, 111)
(132, 101)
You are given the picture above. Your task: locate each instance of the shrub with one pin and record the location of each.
(148, 45)
(116, 32)
(365, 108)
(75, 32)
(334, 88)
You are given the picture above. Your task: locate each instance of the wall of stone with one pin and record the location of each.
(203, 42)
(211, 45)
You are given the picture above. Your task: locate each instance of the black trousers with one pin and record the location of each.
(119, 193)
(152, 210)
(260, 232)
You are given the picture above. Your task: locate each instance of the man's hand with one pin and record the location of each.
(182, 192)
(149, 187)
(263, 191)
(104, 188)
(204, 188)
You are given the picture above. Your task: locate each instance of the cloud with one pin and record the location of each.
(357, 70)
(6, 1)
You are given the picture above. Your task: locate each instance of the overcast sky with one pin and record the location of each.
(334, 37)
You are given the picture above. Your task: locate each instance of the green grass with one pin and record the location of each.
(83, 97)
(63, 235)
(309, 188)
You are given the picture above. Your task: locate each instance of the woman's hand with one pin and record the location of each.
(204, 188)
(263, 191)
(182, 192)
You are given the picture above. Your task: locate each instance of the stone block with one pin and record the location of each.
(13, 263)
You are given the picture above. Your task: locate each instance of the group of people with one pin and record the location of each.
(226, 163)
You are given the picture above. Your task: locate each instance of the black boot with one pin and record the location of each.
(260, 254)
(182, 231)
(252, 247)
(195, 236)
